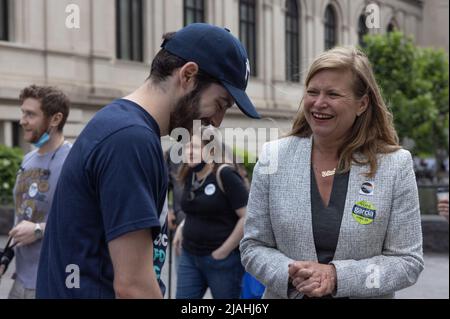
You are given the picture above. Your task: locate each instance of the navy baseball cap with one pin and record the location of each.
(218, 53)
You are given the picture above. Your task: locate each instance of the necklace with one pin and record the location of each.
(317, 156)
(325, 173)
(328, 173)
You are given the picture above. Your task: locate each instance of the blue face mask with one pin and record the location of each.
(42, 140)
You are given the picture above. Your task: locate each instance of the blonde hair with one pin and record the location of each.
(373, 131)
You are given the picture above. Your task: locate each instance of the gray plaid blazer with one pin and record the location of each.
(372, 260)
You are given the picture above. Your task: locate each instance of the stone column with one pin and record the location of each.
(7, 133)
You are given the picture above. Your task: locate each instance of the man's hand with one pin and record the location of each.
(443, 208)
(313, 279)
(23, 233)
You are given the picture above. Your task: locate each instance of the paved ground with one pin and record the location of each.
(433, 282)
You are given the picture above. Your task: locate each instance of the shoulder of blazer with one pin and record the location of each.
(286, 145)
(400, 157)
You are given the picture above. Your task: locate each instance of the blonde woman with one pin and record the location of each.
(340, 216)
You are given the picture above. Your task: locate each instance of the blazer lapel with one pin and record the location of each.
(356, 179)
(304, 154)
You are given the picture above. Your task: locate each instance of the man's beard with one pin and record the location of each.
(186, 111)
(36, 134)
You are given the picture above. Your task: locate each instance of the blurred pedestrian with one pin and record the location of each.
(44, 113)
(442, 199)
(214, 201)
(443, 208)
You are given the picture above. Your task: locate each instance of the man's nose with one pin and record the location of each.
(22, 121)
(217, 119)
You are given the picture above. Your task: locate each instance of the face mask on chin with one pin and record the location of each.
(45, 137)
(42, 140)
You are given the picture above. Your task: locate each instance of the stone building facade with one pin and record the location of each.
(109, 52)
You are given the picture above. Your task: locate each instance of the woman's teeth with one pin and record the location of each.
(322, 116)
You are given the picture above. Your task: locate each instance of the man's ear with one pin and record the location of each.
(56, 119)
(187, 75)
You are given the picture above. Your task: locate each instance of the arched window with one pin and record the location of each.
(362, 29)
(194, 11)
(330, 27)
(247, 31)
(292, 41)
(129, 30)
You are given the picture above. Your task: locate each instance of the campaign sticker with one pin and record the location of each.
(366, 188)
(210, 189)
(364, 212)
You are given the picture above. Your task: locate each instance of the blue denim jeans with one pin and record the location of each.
(197, 273)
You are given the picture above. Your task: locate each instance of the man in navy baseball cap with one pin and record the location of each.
(113, 184)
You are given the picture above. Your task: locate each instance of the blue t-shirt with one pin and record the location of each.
(114, 181)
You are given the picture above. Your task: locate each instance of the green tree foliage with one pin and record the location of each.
(414, 83)
(10, 159)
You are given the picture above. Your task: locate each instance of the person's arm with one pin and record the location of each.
(178, 238)
(234, 188)
(259, 253)
(235, 237)
(443, 208)
(132, 259)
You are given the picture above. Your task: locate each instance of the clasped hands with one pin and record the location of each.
(312, 279)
